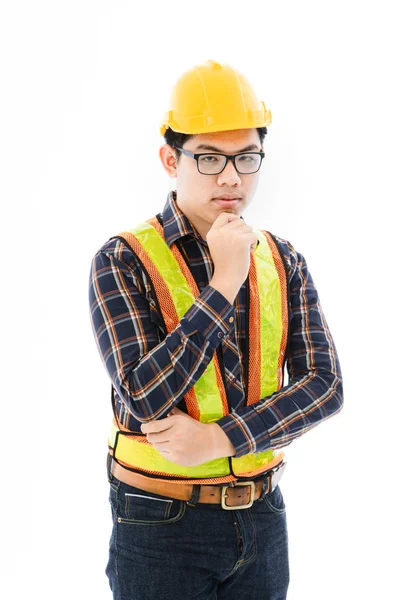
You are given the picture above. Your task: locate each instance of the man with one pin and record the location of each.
(198, 309)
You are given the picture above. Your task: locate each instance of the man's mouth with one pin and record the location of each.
(222, 201)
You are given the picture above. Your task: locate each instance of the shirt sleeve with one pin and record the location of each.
(149, 375)
(315, 390)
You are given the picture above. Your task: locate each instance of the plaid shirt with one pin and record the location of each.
(151, 370)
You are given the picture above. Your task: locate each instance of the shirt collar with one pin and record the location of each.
(175, 222)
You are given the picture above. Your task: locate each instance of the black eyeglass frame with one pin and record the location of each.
(226, 156)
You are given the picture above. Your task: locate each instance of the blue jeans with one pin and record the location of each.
(162, 548)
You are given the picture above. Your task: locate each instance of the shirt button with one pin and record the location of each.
(234, 379)
(220, 334)
(231, 319)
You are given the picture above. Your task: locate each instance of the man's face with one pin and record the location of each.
(196, 192)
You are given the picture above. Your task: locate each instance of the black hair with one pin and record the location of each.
(174, 139)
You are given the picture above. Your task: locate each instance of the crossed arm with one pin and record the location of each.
(151, 377)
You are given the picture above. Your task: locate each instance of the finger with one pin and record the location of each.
(161, 446)
(155, 426)
(158, 437)
(165, 454)
(235, 224)
(224, 218)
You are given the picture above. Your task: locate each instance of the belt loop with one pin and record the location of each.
(195, 495)
(265, 483)
(109, 463)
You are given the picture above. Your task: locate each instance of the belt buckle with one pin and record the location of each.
(237, 507)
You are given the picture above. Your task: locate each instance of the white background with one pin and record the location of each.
(84, 87)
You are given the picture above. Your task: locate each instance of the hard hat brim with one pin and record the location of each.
(198, 125)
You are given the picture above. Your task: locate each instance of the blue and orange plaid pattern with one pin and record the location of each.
(151, 371)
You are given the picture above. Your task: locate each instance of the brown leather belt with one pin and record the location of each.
(241, 496)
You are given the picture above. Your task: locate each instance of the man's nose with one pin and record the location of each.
(229, 175)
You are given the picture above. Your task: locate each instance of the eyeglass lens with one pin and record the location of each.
(210, 164)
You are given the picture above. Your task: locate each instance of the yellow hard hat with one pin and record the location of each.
(214, 97)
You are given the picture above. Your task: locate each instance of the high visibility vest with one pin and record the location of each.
(206, 401)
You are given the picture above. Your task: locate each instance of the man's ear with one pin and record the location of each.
(168, 159)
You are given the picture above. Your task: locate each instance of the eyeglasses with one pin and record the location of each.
(213, 163)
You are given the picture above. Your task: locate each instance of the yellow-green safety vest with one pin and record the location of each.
(206, 401)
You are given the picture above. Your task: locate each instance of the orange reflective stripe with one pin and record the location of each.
(167, 306)
(254, 384)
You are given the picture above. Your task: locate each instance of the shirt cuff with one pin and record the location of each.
(246, 430)
(211, 314)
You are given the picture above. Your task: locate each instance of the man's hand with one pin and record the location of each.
(186, 441)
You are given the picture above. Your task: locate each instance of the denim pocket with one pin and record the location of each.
(274, 501)
(133, 505)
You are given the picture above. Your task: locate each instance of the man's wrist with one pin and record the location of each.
(230, 292)
(221, 443)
